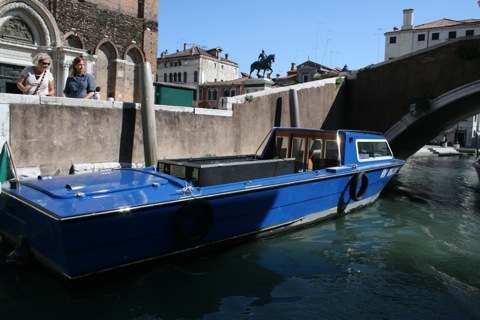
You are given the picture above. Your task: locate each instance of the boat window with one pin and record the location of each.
(373, 150)
(281, 147)
(298, 152)
(331, 153)
(315, 154)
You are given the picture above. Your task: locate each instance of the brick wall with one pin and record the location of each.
(119, 20)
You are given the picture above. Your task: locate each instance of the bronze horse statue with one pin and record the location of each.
(265, 64)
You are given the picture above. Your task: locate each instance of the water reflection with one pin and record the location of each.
(414, 254)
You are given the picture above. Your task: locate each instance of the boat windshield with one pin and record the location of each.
(368, 150)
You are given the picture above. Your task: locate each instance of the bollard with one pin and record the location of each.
(148, 115)
(294, 113)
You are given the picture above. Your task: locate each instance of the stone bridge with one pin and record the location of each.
(414, 98)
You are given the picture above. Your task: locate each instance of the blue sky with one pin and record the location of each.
(333, 32)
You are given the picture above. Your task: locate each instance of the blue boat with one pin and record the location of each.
(87, 224)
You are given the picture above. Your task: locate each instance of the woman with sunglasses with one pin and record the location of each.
(37, 79)
(80, 84)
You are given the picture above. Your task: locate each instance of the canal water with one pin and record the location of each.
(414, 254)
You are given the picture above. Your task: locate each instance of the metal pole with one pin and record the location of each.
(294, 114)
(148, 115)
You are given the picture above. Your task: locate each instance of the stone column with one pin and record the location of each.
(62, 76)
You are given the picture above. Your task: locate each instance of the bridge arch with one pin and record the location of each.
(425, 121)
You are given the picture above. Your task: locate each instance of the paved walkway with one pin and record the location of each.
(430, 150)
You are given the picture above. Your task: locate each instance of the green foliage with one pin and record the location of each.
(138, 34)
(339, 81)
(249, 98)
(102, 18)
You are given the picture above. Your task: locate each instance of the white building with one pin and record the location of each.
(412, 38)
(194, 66)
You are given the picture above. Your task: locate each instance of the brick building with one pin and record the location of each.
(114, 35)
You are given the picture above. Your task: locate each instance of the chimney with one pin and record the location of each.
(294, 67)
(185, 46)
(226, 56)
(407, 19)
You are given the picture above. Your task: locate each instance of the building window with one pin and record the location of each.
(185, 76)
(195, 76)
(421, 37)
(232, 93)
(215, 65)
(393, 39)
(435, 36)
(165, 77)
(469, 33)
(171, 77)
(452, 34)
(200, 96)
(209, 94)
(226, 93)
(214, 94)
(179, 77)
(305, 78)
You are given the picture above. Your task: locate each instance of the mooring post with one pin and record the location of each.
(148, 115)
(294, 113)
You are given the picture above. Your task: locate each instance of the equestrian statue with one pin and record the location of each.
(264, 63)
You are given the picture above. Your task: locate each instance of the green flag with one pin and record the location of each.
(5, 165)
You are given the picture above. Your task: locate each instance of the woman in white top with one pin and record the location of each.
(37, 79)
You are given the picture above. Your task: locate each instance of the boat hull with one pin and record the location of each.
(83, 245)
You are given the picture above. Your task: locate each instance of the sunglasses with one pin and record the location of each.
(45, 63)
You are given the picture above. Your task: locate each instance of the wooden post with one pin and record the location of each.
(294, 113)
(148, 115)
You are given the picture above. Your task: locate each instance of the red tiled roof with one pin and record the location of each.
(446, 23)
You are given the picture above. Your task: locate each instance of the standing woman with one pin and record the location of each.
(80, 84)
(37, 79)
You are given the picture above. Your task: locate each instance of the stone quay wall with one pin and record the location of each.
(56, 136)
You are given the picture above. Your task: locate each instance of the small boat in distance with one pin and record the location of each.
(86, 224)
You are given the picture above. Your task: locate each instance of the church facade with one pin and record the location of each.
(114, 36)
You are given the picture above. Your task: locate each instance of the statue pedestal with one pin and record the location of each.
(254, 85)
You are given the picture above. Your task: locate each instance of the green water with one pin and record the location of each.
(414, 254)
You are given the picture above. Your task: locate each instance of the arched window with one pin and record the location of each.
(185, 76)
(179, 77)
(194, 95)
(214, 97)
(171, 77)
(195, 76)
(174, 77)
(165, 77)
(16, 30)
(209, 94)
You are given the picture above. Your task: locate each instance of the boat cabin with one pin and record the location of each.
(312, 150)
(285, 151)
